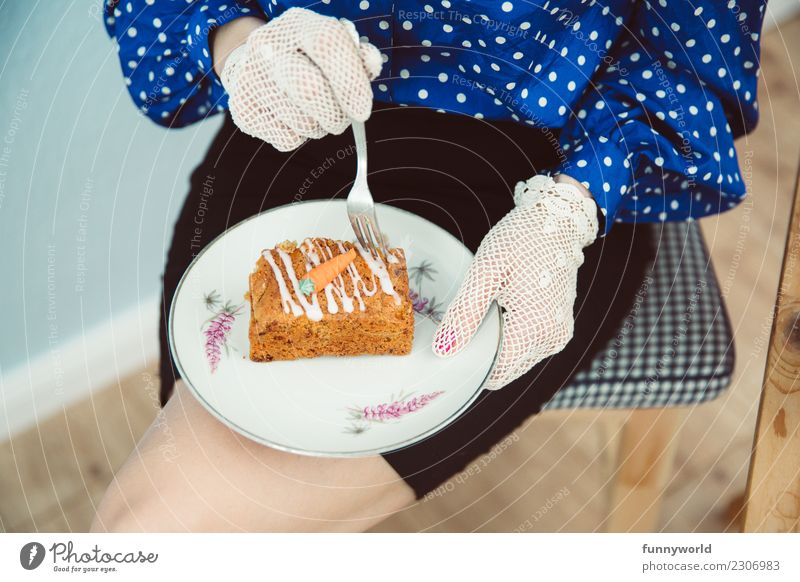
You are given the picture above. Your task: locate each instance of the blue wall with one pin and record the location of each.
(89, 188)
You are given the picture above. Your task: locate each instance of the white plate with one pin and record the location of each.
(332, 406)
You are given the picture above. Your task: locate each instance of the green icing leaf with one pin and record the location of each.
(307, 286)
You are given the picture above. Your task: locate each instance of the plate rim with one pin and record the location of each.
(308, 452)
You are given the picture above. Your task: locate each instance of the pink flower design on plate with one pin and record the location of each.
(218, 327)
(361, 417)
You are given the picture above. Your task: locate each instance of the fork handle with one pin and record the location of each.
(360, 136)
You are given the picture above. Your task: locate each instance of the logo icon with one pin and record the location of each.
(31, 555)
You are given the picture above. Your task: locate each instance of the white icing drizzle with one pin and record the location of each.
(355, 279)
(286, 297)
(315, 254)
(312, 308)
(378, 268)
(308, 250)
(337, 285)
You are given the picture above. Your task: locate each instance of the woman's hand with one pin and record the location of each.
(528, 263)
(301, 75)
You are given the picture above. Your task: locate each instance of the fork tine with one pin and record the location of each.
(364, 225)
(379, 236)
(357, 229)
(375, 238)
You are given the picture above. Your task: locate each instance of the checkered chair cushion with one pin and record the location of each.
(674, 347)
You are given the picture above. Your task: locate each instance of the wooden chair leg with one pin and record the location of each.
(646, 452)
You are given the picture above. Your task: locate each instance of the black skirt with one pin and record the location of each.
(456, 171)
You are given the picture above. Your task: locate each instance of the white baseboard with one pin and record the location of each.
(69, 372)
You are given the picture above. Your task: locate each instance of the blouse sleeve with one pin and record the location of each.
(166, 57)
(652, 137)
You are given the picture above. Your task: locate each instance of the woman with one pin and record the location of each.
(632, 107)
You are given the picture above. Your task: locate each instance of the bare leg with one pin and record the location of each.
(191, 473)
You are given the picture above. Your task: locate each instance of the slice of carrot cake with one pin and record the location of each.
(326, 297)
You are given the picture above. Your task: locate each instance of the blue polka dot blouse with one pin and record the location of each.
(641, 99)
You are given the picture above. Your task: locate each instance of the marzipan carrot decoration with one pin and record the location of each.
(318, 277)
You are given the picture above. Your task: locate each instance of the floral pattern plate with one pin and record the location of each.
(333, 406)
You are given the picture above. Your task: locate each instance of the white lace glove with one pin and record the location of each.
(528, 263)
(301, 75)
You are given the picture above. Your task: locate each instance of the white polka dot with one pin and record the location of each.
(443, 77)
(132, 32)
(461, 98)
(706, 58)
(423, 94)
(542, 101)
(517, 56)
(383, 25)
(571, 85)
(507, 7)
(500, 40)
(552, 76)
(524, 93)
(407, 25)
(447, 28)
(607, 161)
(404, 73)
(364, 5)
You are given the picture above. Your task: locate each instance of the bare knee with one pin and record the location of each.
(215, 480)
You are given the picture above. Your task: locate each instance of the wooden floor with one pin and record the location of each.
(556, 476)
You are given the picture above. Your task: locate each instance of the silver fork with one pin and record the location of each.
(360, 206)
